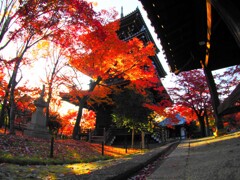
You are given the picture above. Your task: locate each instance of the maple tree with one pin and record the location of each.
(3, 98)
(191, 91)
(75, 86)
(24, 97)
(28, 22)
(67, 121)
(110, 61)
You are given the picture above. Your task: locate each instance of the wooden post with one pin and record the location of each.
(103, 141)
(89, 135)
(126, 143)
(51, 149)
(102, 148)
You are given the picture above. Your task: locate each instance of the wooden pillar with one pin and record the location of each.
(230, 14)
(214, 96)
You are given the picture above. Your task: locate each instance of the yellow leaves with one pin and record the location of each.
(43, 44)
(95, 4)
(41, 50)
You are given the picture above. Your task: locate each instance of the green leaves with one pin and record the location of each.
(129, 111)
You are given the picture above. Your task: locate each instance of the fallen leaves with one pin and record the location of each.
(70, 157)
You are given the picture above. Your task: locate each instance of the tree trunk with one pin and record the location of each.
(12, 108)
(12, 97)
(4, 106)
(13, 84)
(82, 102)
(202, 125)
(79, 117)
(133, 134)
(207, 124)
(48, 105)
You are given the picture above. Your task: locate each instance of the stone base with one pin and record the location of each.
(37, 132)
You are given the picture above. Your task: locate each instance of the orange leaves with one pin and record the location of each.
(70, 115)
(159, 108)
(24, 98)
(1, 73)
(105, 56)
(2, 82)
(67, 121)
(88, 120)
(98, 51)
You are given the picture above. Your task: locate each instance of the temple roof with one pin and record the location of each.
(182, 30)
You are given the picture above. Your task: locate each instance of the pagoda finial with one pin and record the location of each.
(121, 12)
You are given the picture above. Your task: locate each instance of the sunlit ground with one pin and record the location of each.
(58, 171)
(25, 148)
(213, 139)
(115, 151)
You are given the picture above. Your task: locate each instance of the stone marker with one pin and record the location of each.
(37, 127)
